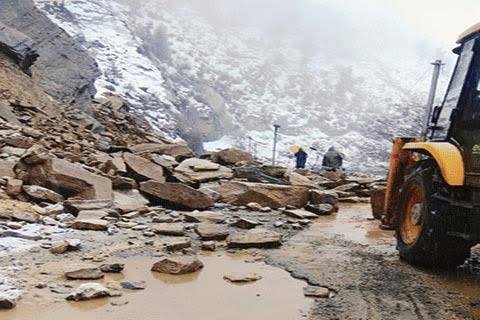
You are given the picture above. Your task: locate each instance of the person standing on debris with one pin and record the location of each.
(333, 160)
(301, 157)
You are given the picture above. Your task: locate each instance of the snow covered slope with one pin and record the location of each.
(216, 86)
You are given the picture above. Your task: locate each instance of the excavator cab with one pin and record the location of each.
(432, 198)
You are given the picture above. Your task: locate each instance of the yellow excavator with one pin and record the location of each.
(432, 197)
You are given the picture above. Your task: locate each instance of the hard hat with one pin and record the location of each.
(295, 148)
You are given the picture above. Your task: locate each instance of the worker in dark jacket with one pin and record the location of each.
(301, 159)
(333, 160)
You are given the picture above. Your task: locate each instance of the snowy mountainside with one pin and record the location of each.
(218, 87)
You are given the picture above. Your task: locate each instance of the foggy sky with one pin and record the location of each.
(345, 29)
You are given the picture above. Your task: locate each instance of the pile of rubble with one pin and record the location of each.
(107, 171)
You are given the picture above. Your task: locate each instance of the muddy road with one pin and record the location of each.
(350, 255)
(346, 253)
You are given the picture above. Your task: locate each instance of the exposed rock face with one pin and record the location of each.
(204, 216)
(64, 68)
(68, 178)
(267, 195)
(18, 47)
(231, 156)
(178, 265)
(255, 238)
(89, 291)
(176, 194)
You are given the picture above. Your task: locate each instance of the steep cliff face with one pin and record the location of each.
(63, 68)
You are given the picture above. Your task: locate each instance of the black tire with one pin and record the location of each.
(432, 248)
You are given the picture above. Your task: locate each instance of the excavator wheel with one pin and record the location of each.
(420, 232)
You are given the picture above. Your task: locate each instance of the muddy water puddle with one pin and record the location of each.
(202, 295)
(353, 224)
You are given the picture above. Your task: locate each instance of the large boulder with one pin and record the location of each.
(267, 195)
(143, 169)
(195, 170)
(176, 195)
(69, 179)
(232, 156)
(178, 265)
(324, 197)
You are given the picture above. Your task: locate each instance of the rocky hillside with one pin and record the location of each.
(216, 87)
(64, 68)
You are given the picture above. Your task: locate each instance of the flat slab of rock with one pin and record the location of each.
(267, 195)
(204, 216)
(195, 170)
(178, 151)
(177, 244)
(83, 272)
(255, 238)
(89, 291)
(177, 195)
(178, 265)
(300, 214)
(43, 194)
(210, 231)
(128, 201)
(143, 169)
(29, 217)
(76, 206)
(90, 224)
(169, 229)
(240, 277)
